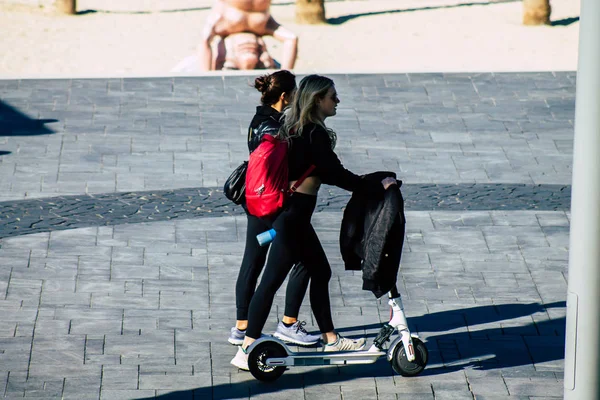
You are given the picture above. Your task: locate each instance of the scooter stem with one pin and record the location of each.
(398, 319)
(399, 322)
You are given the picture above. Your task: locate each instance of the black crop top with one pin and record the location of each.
(314, 147)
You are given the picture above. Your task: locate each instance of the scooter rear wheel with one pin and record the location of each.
(400, 362)
(257, 361)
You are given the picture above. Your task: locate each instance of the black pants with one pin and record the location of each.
(296, 241)
(253, 263)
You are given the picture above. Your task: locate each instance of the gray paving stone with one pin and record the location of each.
(483, 270)
(117, 394)
(49, 390)
(179, 382)
(93, 285)
(117, 301)
(523, 386)
(82, 387)
(122, 377)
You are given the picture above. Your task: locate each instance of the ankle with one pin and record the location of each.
(331, 337)
(246, 343)
(289, 321)
(241, 325)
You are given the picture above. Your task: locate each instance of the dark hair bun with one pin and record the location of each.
(262, 83)
(272, 86)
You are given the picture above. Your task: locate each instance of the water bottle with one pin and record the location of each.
(266, 237)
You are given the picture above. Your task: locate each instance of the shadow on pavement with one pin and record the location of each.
(448, 320)
(15, 123)
(346, 18)
(505, 345)
(84, 12)
(564, 21)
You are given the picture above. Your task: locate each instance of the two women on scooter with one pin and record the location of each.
(311, 142)
(277, 90)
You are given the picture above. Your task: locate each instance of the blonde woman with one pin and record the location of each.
(311, 143)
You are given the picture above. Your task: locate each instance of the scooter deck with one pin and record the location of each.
(326, 358)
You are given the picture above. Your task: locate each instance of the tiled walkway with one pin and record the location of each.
(118, 253)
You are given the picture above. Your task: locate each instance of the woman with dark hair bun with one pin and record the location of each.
(277, 91)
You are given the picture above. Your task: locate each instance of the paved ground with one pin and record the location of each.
(118, 252)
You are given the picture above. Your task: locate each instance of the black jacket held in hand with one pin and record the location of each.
(372, 235)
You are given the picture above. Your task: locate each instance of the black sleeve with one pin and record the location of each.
(330, 168)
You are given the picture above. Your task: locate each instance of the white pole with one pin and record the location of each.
(582, 352)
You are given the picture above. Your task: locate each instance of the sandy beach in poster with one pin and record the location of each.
(149, 38)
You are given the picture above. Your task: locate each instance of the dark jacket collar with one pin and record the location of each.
(264, 113)
(267, 111)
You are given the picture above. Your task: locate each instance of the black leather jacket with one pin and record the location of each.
(267, 120)
(372, 235)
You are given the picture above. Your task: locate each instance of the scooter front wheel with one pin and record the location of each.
(257, 361)
(400, 362)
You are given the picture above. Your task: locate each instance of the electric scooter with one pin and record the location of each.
(268, 357)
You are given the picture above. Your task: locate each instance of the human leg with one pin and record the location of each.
(282, 257)
(296, 289)
(296, 240)
(252, 264)
(279, 263)
(205, 53)
(314, 258)
(290, 329)
(219, 54)
(289, 40)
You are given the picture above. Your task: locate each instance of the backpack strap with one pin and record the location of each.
(301, 179)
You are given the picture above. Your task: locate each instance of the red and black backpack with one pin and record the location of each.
(267, 177)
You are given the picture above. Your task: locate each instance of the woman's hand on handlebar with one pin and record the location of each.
(387, 182)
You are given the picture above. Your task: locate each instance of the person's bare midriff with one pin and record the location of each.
(310, 185)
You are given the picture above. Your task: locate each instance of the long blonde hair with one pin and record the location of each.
(303, 108)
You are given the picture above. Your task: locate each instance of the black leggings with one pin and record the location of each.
(296, 241)
(253, 263)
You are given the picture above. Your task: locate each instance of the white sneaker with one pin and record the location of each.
(240, 360)
(296, 334)
(345, 344)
